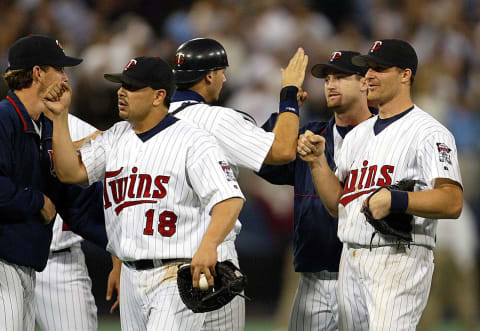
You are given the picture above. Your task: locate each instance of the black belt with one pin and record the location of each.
(149, 264)
(65, 250)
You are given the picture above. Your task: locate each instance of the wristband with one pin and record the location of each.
(399, 202)
(288, 100)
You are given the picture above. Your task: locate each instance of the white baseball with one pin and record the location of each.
(203, 283)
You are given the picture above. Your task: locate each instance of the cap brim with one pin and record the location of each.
(69, 61)
(362, 60)
(321, 70)
(121, 78)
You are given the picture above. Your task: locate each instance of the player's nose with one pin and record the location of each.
(370, 73)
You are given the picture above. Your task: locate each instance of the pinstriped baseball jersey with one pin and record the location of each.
(410, 145)
(62, 236)
(244, 144)
(159, 187)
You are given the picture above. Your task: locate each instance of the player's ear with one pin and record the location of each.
(363, 84)
(209, 78)
(406, 75)
(158, 97)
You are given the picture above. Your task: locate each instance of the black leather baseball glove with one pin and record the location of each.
(229, 282)
(397, 225)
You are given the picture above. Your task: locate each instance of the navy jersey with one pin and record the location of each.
(26, 173)
(315, 243)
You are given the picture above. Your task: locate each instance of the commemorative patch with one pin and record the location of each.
(227, 170)
(444, 153)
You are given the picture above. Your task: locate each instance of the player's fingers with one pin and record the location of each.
(110, 288)
(308, 133)
(195, 275)
(315, 139)
(115, 306)
(209, 277)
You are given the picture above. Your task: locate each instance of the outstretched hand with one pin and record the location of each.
(294, 73)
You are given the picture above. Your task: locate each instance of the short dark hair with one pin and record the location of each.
(20, 78)
(187, 86)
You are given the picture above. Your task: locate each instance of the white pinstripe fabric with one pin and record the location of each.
(388, 287)
(406, 149)
(150, 301)
(17, 291)
(316, 304)
(189, 158)
(244, 144)
(383, 289)
(63, 294)
(187, 165)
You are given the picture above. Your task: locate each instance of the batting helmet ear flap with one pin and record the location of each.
(195, 58)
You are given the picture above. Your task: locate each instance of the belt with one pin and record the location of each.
(65, 250)
(150, 264)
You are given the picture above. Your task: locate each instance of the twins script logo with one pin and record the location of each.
(370, 176)
(136, 188)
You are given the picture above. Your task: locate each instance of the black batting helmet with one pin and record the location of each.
(196, 58)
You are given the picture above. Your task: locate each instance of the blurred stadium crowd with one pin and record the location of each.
(260, 36)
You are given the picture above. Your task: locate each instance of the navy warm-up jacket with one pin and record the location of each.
(315, 243)
(26, 173)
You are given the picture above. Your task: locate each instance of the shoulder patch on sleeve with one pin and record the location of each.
(444, 153)
(227, 170)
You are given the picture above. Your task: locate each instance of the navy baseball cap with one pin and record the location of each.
(40, 50)
(390, 52)
(145, 71)
(340, 61)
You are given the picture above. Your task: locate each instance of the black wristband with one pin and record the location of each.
(399, 201)
(288, 100)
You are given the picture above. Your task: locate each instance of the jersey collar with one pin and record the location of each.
(184, 95)
(162, 125)
(21, 112)
(381, 124)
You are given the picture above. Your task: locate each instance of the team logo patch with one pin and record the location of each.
(444, 153)
(132, 63)
(59, 45)
(227, 170)
(334, 56)
(376, 45)
(179, 59)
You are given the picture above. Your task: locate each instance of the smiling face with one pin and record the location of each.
(342, 90)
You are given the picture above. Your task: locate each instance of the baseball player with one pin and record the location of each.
(383, 282)
(31, 194)
(316, 246)
(199, 70)
(170, 197)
